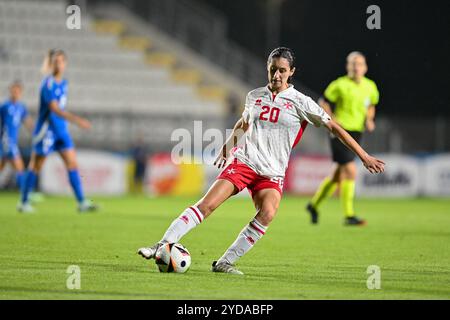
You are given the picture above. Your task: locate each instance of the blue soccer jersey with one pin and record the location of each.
(12, 115)
(51, 132)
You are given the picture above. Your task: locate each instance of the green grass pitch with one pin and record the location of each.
(408, 239)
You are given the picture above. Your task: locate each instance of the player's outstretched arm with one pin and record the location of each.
(372, 164)
(370, 119)
(238, 131)
(79, 121)
(326, 106)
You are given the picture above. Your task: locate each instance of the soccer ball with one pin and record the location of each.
(173, 257)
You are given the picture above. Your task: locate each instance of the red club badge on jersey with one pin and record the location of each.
(258, 103)
(288, 105)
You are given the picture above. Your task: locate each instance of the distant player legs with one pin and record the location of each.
(19, 167)
(30, 177)
(70, 161)
(18, 164)
(347, 187)
(13, 113)
(36, 163)
(344, 176)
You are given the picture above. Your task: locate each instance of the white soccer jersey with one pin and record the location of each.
(276, 125)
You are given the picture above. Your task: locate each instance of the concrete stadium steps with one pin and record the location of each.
(112, 27)
(110, 70)
(90, 78)
(75, 43)
(113, 60)
(162, 59)
(212, 92)
(150, 100)
(31, 10)
(134, 43)
(50, 28)
(172, 108)
(186, 75)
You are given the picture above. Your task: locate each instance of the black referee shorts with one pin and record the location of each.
(341, 154)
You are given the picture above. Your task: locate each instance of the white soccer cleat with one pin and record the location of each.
(36, 197)
(149, 252)
(87, 206)
(225, 267)
(25, 208)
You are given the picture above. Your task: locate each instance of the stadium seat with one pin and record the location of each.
(107, 71)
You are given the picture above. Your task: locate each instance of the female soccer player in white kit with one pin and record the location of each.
(274, 119)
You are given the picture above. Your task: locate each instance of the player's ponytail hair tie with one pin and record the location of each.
(47, 63)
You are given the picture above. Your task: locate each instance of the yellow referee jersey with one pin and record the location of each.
(352, 101)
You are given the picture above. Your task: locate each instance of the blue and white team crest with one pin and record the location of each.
(16, 116)
(62, 102)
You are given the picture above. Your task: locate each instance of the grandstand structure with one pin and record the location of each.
(146, 68)
(130, 77)
(116, 79)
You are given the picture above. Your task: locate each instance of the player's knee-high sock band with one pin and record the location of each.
(19, 179)
(188, 220)
(347, 197)
(244, 242)
(75, 182)
(28, 184)
(326, 189)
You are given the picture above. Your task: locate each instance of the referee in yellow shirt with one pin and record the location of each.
(350, 100)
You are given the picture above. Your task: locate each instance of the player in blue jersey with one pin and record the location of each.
(12, 114)
(51, 132)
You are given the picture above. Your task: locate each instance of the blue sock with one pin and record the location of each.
(28, 183)
(19, 179)
(75, 182)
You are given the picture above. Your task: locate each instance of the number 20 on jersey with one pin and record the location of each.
(269, 114)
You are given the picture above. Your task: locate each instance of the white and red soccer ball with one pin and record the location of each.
(173, 257)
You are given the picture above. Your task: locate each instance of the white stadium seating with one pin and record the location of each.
(102, 76)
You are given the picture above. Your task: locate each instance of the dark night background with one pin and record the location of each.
(408, 58)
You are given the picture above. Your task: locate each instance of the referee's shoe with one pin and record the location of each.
(314, 214)
(354, 221)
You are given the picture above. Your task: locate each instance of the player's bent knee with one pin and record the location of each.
(350, 172)
(71, 164)
(206, 207)
(34, 167)
(72, 167)
(266, 215)
(335, 177)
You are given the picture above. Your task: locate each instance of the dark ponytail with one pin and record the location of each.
(47, 63)
(283, 52)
